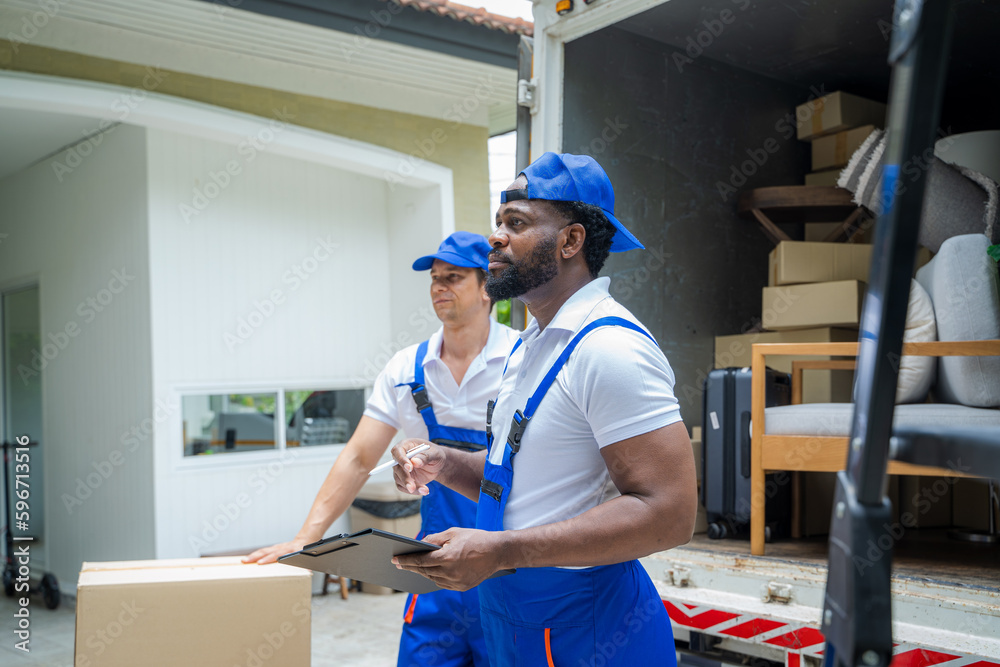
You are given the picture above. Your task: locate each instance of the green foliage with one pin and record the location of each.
(294, 400)
(994, 251)
(263, 403)
(503, 312)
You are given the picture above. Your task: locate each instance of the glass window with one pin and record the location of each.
(228, 423)
(322, 417)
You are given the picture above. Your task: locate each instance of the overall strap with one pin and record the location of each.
(492, 403)
(521, 419)
(449, 436)
(419, 391)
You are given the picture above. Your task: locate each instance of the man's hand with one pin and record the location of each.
(465, 559)
(270, 554)
(414, 474)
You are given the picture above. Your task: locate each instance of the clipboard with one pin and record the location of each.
(366, 556)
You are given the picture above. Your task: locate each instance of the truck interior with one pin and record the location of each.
(706, 84)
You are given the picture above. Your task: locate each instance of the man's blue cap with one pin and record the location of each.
(569, 177)
(460, 249)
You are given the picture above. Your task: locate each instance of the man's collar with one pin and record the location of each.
(572, 314)
(496, 346)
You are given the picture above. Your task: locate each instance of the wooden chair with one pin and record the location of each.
(816, 452)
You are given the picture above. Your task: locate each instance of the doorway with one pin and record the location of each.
(21, 366)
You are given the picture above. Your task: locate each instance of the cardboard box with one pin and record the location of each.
(834, 150)
(831, 304)
(795, 262)
(835, 112)
(701, 521)
(818, 386)
(828, 178)
(383, 491)
(192, 611)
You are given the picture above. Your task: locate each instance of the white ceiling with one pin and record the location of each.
(28, 136)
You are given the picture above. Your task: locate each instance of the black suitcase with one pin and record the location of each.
(725, 488)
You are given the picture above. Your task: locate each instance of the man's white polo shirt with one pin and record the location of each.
(457, 405)
(616, 385)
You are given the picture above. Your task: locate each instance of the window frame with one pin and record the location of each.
(280, 451)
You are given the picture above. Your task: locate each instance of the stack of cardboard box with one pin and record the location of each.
(836, 125)
(814, 294)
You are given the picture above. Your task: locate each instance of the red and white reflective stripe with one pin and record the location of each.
(796, 639)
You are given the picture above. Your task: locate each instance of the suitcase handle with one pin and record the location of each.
(745, 444)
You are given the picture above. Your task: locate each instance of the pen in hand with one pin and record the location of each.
(409, 454)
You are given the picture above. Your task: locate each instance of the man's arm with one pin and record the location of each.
(342, 484)
(656, 511)
(656, 476)
(458, 470)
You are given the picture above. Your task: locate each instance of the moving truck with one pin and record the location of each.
(687, 104)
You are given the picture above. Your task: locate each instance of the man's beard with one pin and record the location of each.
(517, 278)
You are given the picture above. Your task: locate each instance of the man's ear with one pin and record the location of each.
(574, 236)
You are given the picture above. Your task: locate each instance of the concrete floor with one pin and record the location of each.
(362, 631)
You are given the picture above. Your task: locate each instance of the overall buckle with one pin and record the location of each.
(489, 418)
(420, 398)
(492, 489)
(517, 425)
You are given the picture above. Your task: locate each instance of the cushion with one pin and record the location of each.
(916, 373)
(834, 419)
(964, 286)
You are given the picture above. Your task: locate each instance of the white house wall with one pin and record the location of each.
(76, 225)
(315, 251)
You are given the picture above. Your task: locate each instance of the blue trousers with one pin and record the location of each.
(596, 617)
(442, 628)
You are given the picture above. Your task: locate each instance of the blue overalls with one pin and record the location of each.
(443, 627)
(549, 616)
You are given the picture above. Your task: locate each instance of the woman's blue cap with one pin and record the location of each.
(460, 249)
(569, 177)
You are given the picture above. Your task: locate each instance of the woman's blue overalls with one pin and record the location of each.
(548, 616)
(442, 628)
